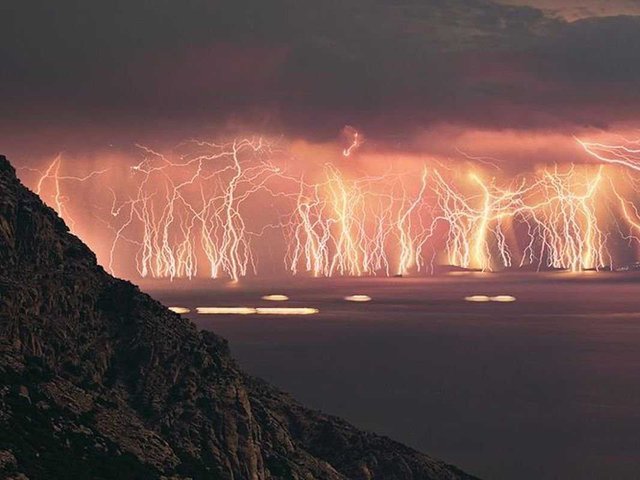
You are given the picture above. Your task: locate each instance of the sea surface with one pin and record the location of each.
(546, 387)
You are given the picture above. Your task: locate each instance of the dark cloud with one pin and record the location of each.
(577, 9)
(308, 68)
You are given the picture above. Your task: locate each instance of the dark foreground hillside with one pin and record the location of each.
(98, 380)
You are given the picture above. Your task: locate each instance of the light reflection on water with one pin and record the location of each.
(275, 298)
(544, 387)
(256, 310)
(180, 310)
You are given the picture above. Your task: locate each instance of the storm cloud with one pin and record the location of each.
(308, 68)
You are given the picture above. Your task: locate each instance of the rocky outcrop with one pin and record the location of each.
(101, 381)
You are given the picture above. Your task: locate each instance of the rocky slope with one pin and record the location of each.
(98, 380)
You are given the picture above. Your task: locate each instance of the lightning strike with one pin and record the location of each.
(355, 139)
(193, 211)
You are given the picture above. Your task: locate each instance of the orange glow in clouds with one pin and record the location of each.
(232, 209)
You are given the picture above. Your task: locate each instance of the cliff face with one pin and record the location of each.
(98, 380)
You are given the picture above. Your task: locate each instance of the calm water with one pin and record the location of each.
(546, 387)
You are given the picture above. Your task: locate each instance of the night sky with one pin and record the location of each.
(88, 73)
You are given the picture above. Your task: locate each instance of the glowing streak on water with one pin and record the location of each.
(226, 310)
(256, 311)
(275, 298)
(286, 311)
(503, 299)
(358, 298)
(179, 310)
(478, 298)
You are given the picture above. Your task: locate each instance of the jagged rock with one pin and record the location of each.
(101, 381)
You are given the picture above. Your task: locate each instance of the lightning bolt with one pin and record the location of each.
(195, 209)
